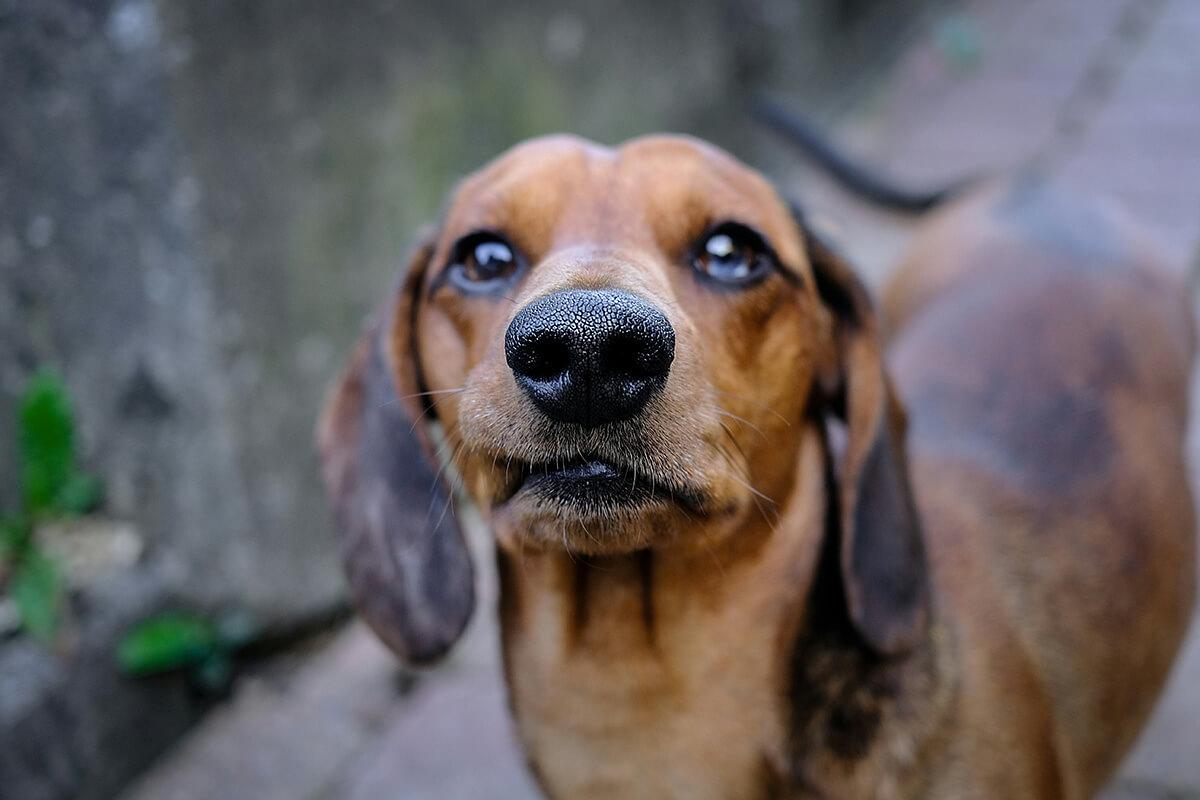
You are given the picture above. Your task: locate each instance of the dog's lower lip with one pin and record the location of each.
(578, 470)
(580, 478)
(589, 483)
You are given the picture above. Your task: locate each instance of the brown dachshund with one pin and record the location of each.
(726, 570)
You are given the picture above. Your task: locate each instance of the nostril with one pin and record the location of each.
(536, 351)
(637, 353)
(619, 354)
(544, 358)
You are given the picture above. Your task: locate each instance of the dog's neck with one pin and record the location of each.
(687, 671)
(677, 656)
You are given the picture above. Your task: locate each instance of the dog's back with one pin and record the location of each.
(1043, 356)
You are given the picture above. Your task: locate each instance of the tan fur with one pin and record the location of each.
(738, 648)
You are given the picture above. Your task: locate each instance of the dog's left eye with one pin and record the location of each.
(733, 254)
(482, 261)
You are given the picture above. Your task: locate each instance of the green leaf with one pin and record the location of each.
(80, 494)
(46, 433)
(167, 642)
(37, 590)
(49, 477)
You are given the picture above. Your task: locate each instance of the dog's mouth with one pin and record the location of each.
(590, 485)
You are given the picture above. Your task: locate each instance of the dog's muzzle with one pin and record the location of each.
(590, 356)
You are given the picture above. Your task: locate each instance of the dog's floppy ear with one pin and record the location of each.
(881, 552)
(409, 568)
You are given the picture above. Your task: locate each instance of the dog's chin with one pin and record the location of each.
(594, 506)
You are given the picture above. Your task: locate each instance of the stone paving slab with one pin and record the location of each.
(1102, 95)
(286, 737)
(454, 742)
(1143, 146)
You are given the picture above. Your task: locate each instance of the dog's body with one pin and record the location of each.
(1044, 358)
(771, 615)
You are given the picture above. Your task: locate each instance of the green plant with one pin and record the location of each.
(52, 486)
(178, 640)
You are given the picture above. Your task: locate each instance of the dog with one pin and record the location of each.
(742, 555)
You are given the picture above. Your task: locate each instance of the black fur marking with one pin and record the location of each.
(835, 693)
(645, 563)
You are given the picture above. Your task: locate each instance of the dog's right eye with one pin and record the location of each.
(733, 255)
(482, 262)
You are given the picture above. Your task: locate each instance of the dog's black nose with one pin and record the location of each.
(590, 356)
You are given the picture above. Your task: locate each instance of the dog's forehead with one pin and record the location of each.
(663, 186)
(660, 160)
(534, 159)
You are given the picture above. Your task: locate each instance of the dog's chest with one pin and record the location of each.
(690, 707)
(634, 728)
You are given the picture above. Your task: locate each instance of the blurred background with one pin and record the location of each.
(199, 201)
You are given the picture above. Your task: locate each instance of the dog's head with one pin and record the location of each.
(620, 349)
